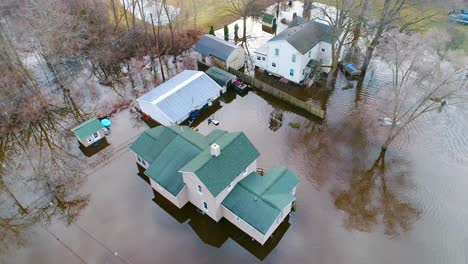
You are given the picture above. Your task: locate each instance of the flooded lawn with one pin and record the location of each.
(349, 209)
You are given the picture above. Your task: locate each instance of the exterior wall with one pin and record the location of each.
(244, 226)
(196, 198)
(325, 55)
(155, 113)
(236, 60)
(278, 221)
(284, 62)
(214, 203)
(85, 143)
(180, 200)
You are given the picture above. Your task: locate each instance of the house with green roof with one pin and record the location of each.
(89, 132)
(217, 174)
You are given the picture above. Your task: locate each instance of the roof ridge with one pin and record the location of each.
(283, 171)
(259, 196)
(84, 124)
(209, 146)
(186, 139)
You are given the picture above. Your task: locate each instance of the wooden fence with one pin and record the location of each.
(279, 94)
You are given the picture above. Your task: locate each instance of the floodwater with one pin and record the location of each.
(349, 209)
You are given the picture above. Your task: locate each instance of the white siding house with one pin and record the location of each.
(293, 53)
(218, 52)
(217, 174)
(172, 102)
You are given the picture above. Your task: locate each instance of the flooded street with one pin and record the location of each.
(349, 209)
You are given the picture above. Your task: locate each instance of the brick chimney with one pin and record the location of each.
(215, 150)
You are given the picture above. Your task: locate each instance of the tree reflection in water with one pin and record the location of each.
(369, 200)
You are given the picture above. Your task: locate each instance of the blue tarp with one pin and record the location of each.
(351, 67)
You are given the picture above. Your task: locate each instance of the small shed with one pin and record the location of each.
(269, 20)
(89, 132)
(223, 54)
(172, 102)
(221, 77)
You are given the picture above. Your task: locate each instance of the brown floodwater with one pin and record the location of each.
(349, 208)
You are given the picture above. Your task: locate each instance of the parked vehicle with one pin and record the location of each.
(239, 86)
(459, 16)
(350, 70)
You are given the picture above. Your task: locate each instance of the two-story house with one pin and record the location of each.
(296, 51)
(217, 174)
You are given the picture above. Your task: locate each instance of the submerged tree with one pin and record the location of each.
(211, 32)
(244, 9)
(422, 82)
(236, 33)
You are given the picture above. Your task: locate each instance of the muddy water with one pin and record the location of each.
(349, 208)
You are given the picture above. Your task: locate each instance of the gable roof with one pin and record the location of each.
(268, 18)
(183, 93)
(210, 45)
(167, 149)
(304, 36)
(87, 128)
(216, 173)
(152, 142)
(259, 200)
(221, 77)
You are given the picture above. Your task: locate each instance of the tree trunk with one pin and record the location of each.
(244, 33)
(365, 64)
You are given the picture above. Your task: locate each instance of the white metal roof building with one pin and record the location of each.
(171, 102)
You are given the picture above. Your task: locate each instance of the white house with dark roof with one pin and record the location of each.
(172, 102)
(217, 174)
(297, 50)
(218, 52)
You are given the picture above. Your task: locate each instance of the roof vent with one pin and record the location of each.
(215, 150)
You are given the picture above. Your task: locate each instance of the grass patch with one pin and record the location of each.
(295, 125)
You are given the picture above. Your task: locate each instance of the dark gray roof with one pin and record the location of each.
(304, 36)
(212, 46)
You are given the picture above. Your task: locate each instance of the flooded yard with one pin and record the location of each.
(349, 210)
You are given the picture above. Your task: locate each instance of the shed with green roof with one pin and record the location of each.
(221, 77)
(89, 131)
(269, 20)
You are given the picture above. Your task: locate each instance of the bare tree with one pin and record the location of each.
(340, 19)
(422, 82)
(244, 9)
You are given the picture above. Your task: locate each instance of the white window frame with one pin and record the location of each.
(90, 139)
(205, 206)
(323, 49)
(276, 52)
(199, 189)
(273, 64)
(96, 135)
(310, 52)
(293, 59)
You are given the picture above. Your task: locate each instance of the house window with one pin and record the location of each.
(273, 64)
(310, 52)
(303, 72)
(277, 52)
(291, 72)
(199, 189)
(90, 139)
(263, 58)
(293, 58)
(96, 135)
(141, 160)
(205, 206)
(258, 57)
(323, 50)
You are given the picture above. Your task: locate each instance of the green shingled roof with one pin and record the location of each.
(87, 128)
(214, 135)
(167, 149)
(259, 200)
(165, 168)
(221, 77)
(216, 173)
(268, 18)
